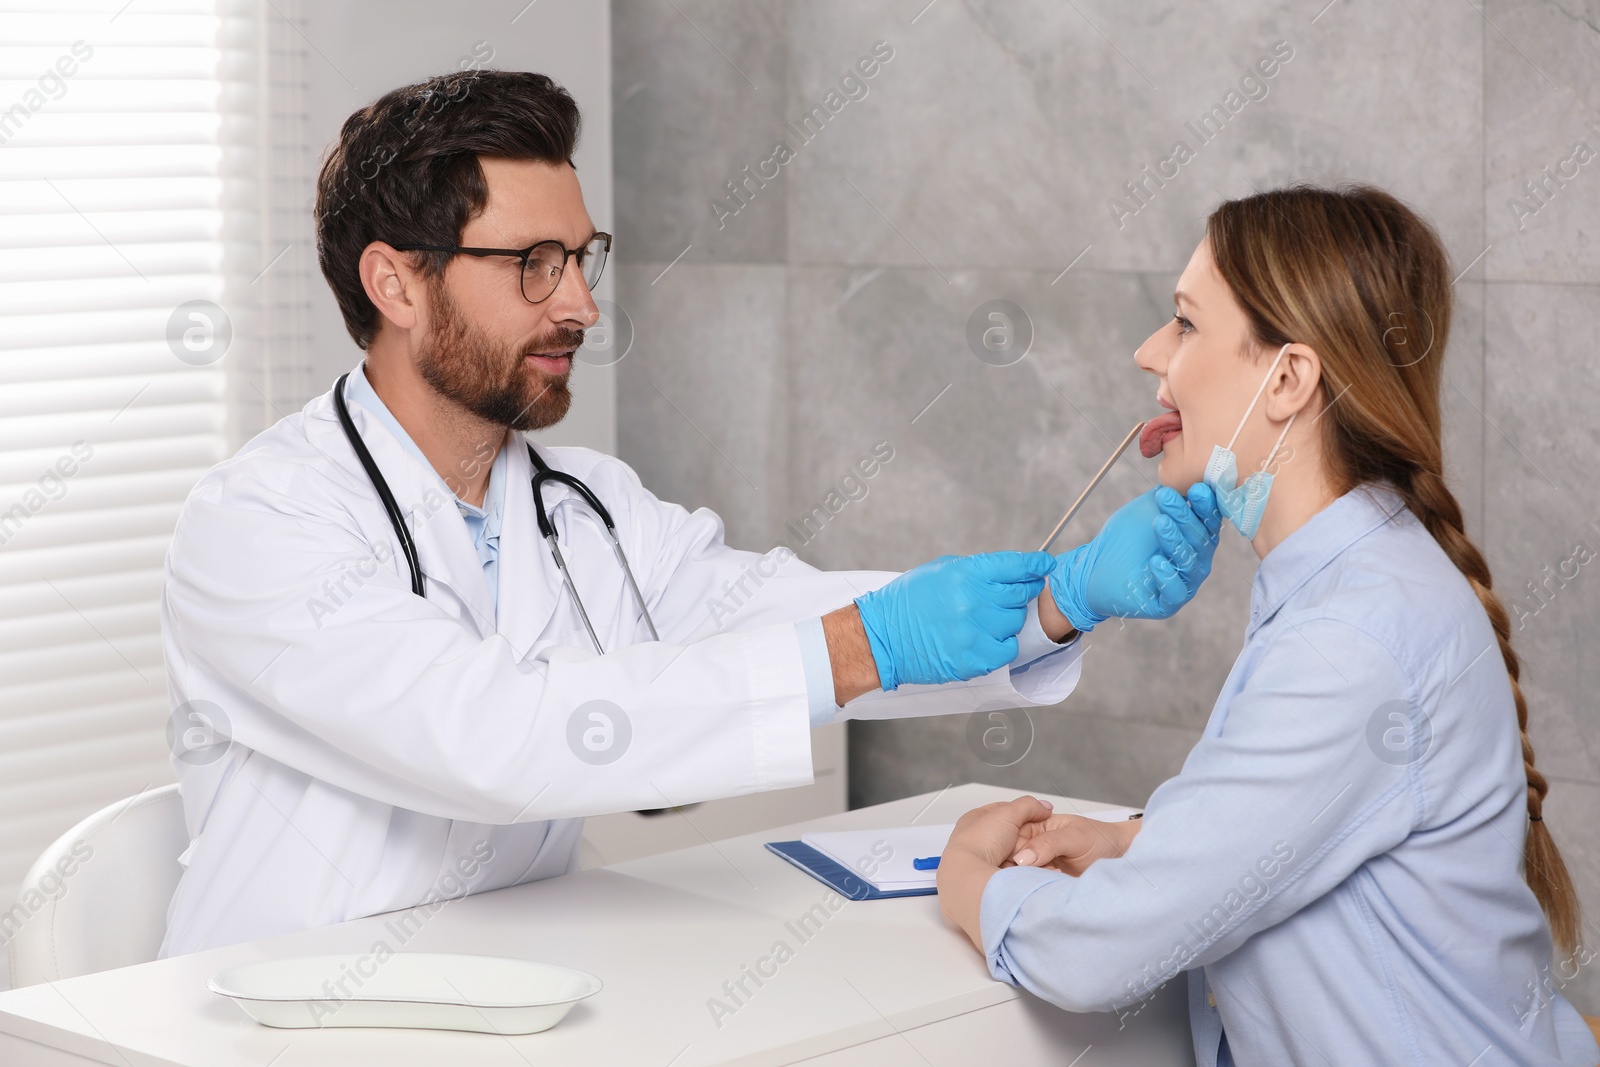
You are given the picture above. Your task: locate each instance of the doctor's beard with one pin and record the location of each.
(489, 378)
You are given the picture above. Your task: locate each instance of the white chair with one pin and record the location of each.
(110, 910)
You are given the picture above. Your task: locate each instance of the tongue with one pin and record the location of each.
(1154, 437)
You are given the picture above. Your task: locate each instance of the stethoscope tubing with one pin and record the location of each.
(407, 546)
(543, 475)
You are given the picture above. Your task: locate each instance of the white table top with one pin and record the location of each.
(664, 933)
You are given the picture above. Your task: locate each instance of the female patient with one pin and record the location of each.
(1352, 863)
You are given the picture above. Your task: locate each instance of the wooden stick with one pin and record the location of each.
(1076, 504)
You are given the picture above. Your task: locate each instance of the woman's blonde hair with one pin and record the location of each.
(1364, 281)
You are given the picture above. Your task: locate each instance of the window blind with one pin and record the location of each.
(141, 190)
(268, 172)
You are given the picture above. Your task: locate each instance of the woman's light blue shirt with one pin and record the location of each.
(1339, 863)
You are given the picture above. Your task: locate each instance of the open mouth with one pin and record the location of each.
(1159, 430)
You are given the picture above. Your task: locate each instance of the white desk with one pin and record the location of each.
(882, 983)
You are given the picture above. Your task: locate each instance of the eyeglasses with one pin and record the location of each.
(542, 263)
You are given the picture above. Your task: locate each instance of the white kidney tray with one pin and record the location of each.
(418, 990)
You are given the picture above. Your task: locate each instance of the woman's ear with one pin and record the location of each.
(1296, 383)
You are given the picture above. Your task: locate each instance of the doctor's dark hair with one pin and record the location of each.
(405, 170)
(1365, 282)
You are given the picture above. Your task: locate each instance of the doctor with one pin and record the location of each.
(410, 691)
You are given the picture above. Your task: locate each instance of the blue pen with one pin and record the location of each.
(926, 863)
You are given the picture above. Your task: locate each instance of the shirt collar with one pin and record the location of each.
(359, 391)
(494, 498)
(1307, 551)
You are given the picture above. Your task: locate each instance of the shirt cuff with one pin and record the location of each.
(818, 667)
(1008, 889)
(1050, 676)
(1032, 641)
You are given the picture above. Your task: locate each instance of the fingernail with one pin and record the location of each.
(1047, 804)
(1025, 857)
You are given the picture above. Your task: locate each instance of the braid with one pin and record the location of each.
(1432, 502)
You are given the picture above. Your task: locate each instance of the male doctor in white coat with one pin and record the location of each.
(370, 745)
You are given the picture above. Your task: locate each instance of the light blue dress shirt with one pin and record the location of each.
(484, 526)
(1338, 864)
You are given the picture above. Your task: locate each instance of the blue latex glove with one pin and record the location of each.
(1146, 562)
(952, 619)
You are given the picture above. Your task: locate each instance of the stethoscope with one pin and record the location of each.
(542, 476)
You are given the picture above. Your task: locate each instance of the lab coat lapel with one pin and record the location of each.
(530, 582)
(444, 550)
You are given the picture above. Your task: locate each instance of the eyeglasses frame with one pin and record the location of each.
(523, 254)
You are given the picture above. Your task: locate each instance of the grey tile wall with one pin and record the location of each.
(695, 83)
(823, 304)
(702, 396)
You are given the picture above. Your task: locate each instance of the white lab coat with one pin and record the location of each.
(388, 750)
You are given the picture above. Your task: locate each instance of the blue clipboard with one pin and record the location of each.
(838, 878)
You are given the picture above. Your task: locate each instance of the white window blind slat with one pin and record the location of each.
(83, 758)
(107, 96)
(98, 129)
(109, 424)
(43, 712)
(100, 197)
(39, 599)
(92, 650)
(196, 451)
(149, 357)
(55, 789)
(113, 62)
(170, 242)
(20, 162)
(120, 303)
(86, 509)
(52, 532)
(82, 561)
(52, 21)
(25, 643)
(31, 731)
(107, 393)
(121, 325)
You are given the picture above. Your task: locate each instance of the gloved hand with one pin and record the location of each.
(1146, 562)
(952, 619)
